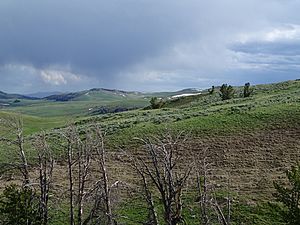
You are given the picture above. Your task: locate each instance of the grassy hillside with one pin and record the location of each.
(250, 141)
(34, 124)
(199, 113)
(255, 139)
(272, 107)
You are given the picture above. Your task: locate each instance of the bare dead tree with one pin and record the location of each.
(161, 166)
(149, 199)
(84, 162)
(202, 186)
(15, 137)
(70, 136)
(91, 201)
(135, 163)
(46, 165)
(207, 195)
(101, 159)
(228, 202)
(79, 153)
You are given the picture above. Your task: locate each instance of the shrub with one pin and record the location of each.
(290, 196)
(19, 206)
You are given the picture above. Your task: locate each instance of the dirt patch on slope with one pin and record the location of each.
(253, 161)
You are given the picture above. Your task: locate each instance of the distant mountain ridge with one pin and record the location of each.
(115, 93)
(6, 96)
(43, 94)
(93, 93)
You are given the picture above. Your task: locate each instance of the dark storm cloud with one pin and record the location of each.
(90, 35)
(143, 44)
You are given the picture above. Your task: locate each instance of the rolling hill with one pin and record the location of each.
(250, 142)
(8, 99)
(255, 138)
(83, 103)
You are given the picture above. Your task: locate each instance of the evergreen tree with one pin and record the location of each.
(19, 206)
(155, 103)
(226, 92)
(212, 90)
(290, 196)
(247, 90)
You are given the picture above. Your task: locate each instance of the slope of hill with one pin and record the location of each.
(250, 142)
(255, 139)
(174, 93)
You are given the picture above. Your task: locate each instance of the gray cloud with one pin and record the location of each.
(143, 44)
(277, 48)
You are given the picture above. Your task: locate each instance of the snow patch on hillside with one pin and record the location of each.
(185, 95)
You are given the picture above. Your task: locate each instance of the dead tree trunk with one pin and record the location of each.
(228, 202)
(203, 189)
(101, 158)
(150, 202)
(84, 160)
(14, 128)
(138, 168)
(20, 143)
(70, 176)
(46, 164)
(207, 199)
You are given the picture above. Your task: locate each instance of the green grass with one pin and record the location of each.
(242, 212)
(34, 124)
(70, 108)
(125, 126)
(272, 107)
(260, 214)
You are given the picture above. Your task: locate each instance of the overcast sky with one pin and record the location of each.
(146, 45)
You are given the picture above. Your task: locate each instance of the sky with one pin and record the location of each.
(146, 45)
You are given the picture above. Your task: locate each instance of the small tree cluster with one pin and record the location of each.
(156, 103)
(226, 92)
